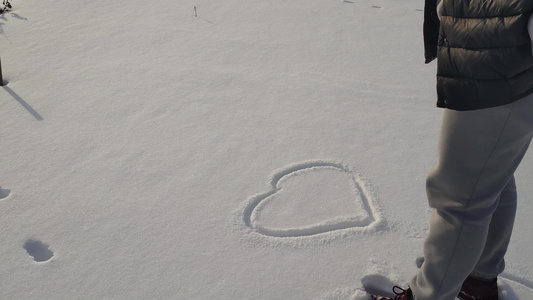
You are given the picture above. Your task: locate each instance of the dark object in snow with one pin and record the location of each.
(38, 250)
(7, 6)
(1, 78)
(3, 192)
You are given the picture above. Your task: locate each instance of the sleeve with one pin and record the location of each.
(430, 30)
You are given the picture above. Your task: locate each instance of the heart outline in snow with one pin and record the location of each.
(331, 228)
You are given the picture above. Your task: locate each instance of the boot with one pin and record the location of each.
(475, 289)
(401, 294)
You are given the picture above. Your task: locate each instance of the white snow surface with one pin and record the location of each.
(256, 150)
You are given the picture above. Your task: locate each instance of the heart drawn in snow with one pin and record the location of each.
(309, 199)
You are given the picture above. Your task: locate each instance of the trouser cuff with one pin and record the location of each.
(482, 276)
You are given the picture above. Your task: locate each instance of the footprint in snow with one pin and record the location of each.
(38, 250)
(313, 199)
(4, 193)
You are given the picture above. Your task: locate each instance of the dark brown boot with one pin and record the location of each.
(475, 289)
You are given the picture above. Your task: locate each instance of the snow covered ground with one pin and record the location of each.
(256, 150)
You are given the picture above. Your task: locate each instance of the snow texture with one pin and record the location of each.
(202, 149)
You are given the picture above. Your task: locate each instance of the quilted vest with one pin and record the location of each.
(484, 56)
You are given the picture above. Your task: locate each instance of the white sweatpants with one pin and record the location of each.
(472, 191)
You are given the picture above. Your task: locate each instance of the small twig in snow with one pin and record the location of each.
(7, 6)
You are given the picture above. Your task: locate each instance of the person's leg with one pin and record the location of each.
(482, 282)
(492, 262)
(478, 154)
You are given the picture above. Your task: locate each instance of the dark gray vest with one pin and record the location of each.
(484, 56)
